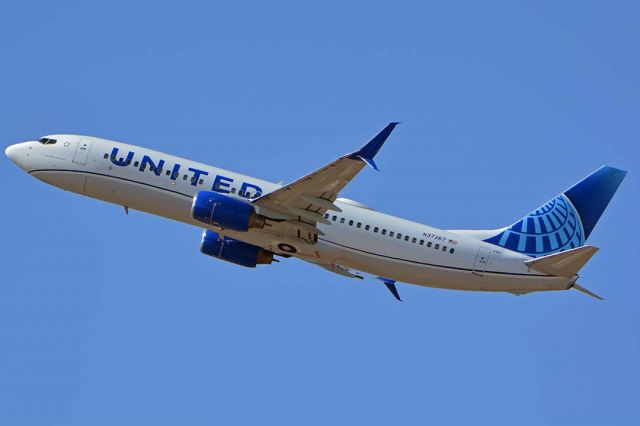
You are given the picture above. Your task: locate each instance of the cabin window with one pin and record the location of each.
(366, 228)
(233, 190)
(429, 244)
(121, 159)
(375, 230)
(334, 218)
(168, 172)
(421, 242)
(184, 177)
(391, 233)
(437, 246)
(342, 220)
(201, 181)
(359, 225)
(451, 250)
(326, 216)
(399, 236)
(128, 162)
(444, 248)
(384, 232)
(136, 164)
(406, 238)
(106, 156)
(414, 240)
(350, 223)
(193, 180)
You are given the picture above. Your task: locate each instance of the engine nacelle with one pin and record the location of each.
(233, 251)
(226, 212)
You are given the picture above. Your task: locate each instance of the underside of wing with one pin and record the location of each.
(303, 203)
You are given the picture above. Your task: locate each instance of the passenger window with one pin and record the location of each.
(444, 248)
(168, 172)
(201, 181)
(184, 177)
(391, 233)
(334, 218)
(429, 244)
(451, 250)
(193, 180)
(128, 162)
(375, 230)
(342, 220)
(399, 236)
(350, 223)
(136, 164)
(150, 167)
(413, 240)
(121, 159)
(421, 242)
(366, 228)
(241, 193)
(233, 190)
(326, 216)
(437, 246)
(106, 156)
(359, 225)
(384, 232)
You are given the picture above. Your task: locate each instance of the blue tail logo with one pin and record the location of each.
(554, 227)
(564, 222)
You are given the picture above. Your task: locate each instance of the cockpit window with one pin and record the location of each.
(47, 141)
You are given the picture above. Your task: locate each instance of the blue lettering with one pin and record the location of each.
(246, 186)
(196, 175)
(221, 182)
(156, 169)
(121, 162)
(174, 172)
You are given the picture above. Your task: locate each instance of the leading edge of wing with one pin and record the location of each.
(371, 148)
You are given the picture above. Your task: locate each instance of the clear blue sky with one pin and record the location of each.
(112, 319)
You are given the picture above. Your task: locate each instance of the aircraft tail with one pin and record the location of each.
(565, 222)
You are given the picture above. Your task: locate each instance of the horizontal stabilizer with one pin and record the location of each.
(587, 292)
(563, 264)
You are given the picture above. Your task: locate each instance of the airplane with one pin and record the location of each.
(250, 222)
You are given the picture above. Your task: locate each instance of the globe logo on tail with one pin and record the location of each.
(552, 228)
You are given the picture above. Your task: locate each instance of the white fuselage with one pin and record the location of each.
(355, 239)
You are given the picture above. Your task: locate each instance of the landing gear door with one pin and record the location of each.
(482, 259)
(82, 151)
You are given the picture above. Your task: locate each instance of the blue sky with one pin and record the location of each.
(107, 318)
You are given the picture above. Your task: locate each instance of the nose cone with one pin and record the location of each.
(18, 154)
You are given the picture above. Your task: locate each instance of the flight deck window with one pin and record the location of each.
(47, 141)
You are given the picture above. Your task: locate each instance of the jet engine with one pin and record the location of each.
(226, 212)
(233, 251)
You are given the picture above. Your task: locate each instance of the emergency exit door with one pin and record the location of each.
(482, 260)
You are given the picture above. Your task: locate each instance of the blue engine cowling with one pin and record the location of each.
(226, 212)
(233, 251)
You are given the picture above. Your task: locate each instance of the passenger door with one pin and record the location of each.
(82, 151)
(482, 259)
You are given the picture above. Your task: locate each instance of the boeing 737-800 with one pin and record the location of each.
(248, 221)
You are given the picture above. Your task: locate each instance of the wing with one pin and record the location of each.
(303, 203)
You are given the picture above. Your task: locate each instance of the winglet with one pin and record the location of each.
(586, 291)
(391, 285)
(371, 148)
